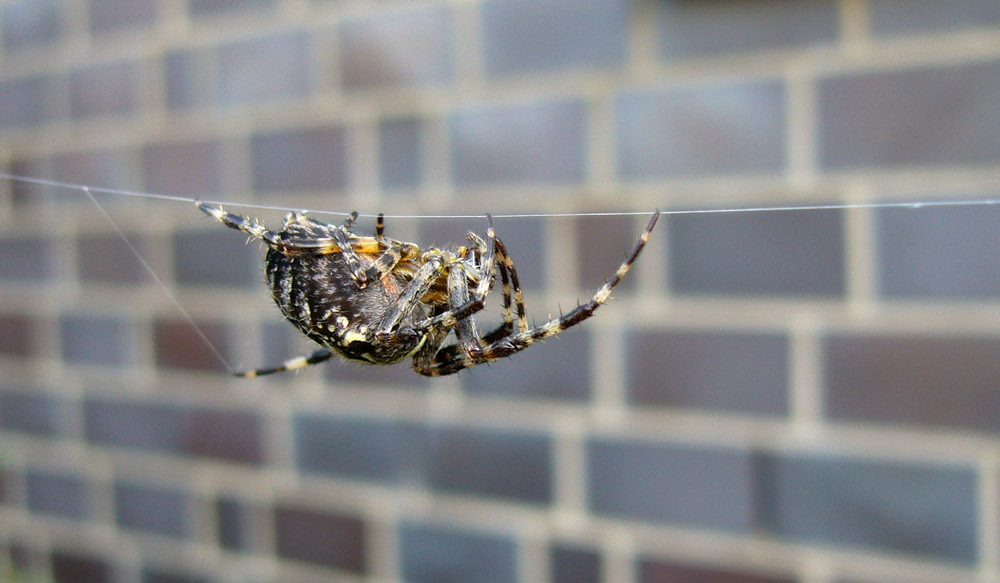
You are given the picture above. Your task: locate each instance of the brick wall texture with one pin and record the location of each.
(807, 396)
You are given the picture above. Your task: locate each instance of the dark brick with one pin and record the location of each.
(797, 253)
(187, 79)
(114, 15)
(915, 117)
(407, 47)
(56, 494)
(529, 374)
(443, 458)
(219, 257)
(32, 413)
(653, 571)
(526, 142)
(232, 524)
(153, 509)
(313, 158)
(106, 259)
(940, 253)
(738, 372)
(433, 554)
(318, 537)
(24, 194)
(23, 102)
(715, 129)
(106, 89)
(696, 27)
(29, 23)
(18, 334)
(573, 565)
(943, 381)
(911, 508)
(212, 7)
(177, 345)
(226, 435)
(26, 259)
(522, 36)
(263, 69)
(685, 485)
(157, 575)
(400, 152)
(894, 17)
(186, 168)
(99, 168)
(69, 567)
(602, 242)
(95, 339)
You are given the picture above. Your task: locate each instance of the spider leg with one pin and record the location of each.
(450, 359)
(298, 362)
(252, 227)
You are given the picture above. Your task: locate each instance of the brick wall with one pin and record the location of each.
(806, 396)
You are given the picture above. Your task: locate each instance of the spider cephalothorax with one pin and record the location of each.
(379, 301)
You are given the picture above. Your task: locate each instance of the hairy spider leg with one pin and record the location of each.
(321, 355)
(450, 360)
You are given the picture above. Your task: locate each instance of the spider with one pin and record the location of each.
(377, 300)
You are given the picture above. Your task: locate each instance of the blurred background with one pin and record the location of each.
(807, 396)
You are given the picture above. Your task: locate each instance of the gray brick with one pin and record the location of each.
(574, 565)
(931, 116)
(736, 372)
(63, 495)
(114, 15)
(939, 253)
(153, 509)
(897, 17)
(400, 152)
(29, 23)
(217, 258)
(98, 168)
(26, 259)
(184, 168)
(522, 36)
(157, 575)
(187, 75)
(937, 381)
(315, 536)
(264, 69)
(23, 102)
(70, 567)
(408, 47)
(684, 485)
(313, 158)
(232, 524)
(717, 129)
(528, 142)
(687, 28)
(106, 89)
(602, 242)
(916, 509)
(433, 554)
(797, 253)
(106, 259)
(32, 413)
(95, 339)
(214, 7)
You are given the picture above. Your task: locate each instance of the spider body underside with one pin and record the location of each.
(377, 300)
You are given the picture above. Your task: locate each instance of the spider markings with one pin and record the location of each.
(380, 301)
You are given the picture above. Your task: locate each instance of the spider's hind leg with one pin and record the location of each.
(251, 227)
(296, 363)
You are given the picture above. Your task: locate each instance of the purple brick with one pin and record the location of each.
(23, 102)
(26, 260)
(176, 344)
(217, 257)
(900, 17)
(687, 29)
(214, 7)
(69, 567)
(106, 259)
(432, 554)
(264, 69)
(656, 571)
(32, 413)
(400, 152)
(29, 23)
(685, 485)
(797, 253)
(407, 47)
(106, 89)
(914, 117)
(152, 509)
(157, 575)
(95, 339)
(939, 253)
(313, 158)
(185, 168)
(573, 565)
(916, 509)
(233, 436)
(714, 129)
(114, 15)
(522, 36)
(56, 494)
(18, 335)
(527, 142)
(314, 536)
(938, 381)
(737, 372)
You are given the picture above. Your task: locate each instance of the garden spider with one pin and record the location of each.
(379, 301)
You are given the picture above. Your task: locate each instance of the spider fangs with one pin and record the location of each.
(379, 301)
